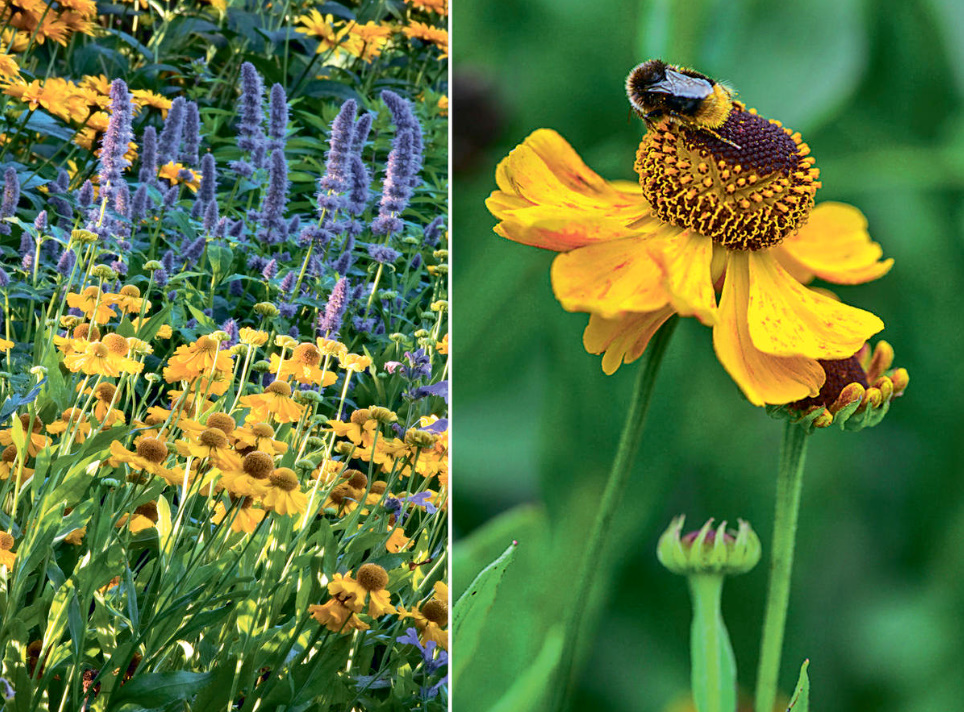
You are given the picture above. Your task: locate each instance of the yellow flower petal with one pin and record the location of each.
(834, 245)
(762, 377)
(609, 278)
(686, 261)
(623, 338)
(787, 319)
(549, 198)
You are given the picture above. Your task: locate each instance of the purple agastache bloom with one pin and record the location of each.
(288, 283)
(40, 222)
(192, 134)
(256, 263)
(242, 168)
(392, 505)
(85, 196)
(383, 254)
(397, 185)
(277, 117)
(343, 263)
(330, 320)
(169, 141)
(337, 177)
(27, 243)
(148, 172)
(139, 203)
(122, 200)
(220, 227)
(236, 229)
(313, 233)
(270, 270)
(196, 209)
(170, 197)
(160, 277)
(287, 310)
(273, 225)
(432, 234)
(236, 289)
(56, 188)
(168, 260)
(65, 265)
(194, 251)
(360, 132)
(211, 218)
(27, 262)
(363, 325)
(416, 264)
(209, 179)
(11, 196)
(405, 119)
(172, 295)
(119, 267)
(230, 327)
(361, 180)
(294, 224)
(250, 133)
(116, 139)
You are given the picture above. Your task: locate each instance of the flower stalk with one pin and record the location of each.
(615, 486)
(789, 484)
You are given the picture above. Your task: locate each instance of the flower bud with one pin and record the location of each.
(709, 550)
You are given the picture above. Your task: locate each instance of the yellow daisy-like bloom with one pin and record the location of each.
(275, 401)
(198, 359)
(373, 579)
(9, 465)
(71, 418)
(5, 344)
(360, 428)
(246, 519)
(129, 299)
(284, 494)
(431, 619)
(36, 440)
(144, 517)
(7, 557)
(322, 28)
(303, 365)
(440, 7)
(727, 210)
(330, 347)
(337, 617)
(260, 436)
(354, 362)
(252, 337)
(8, 66)
(397, 541)
(427, 33)
(170, 171)
(369, 40)
(90, 298)
(146, 97)
(148, 455)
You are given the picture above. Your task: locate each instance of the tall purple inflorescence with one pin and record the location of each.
(169, 142)
(404, 163)
(250, 133)
(148, 172)
(192, 134)
(56, 188)
(11, 196)
(277, 118)
(330, 321)
(274, 227)
(116, 140)
(209, 179)
(337, 178)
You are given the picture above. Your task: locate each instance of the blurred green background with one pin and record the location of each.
(878, 595)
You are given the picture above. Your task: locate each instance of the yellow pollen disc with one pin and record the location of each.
(206, 343)
(747, 184)
(307, 354)
(6, 541)
(116, 344)
(129, 290)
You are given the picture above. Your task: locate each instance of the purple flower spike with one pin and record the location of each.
(209, 179)
(277, 117)
(192, 134)
(169, 141)
(337, 178)
(274, 227)
(148, 172)
(330, 321)
(116, 139)
(250, 133)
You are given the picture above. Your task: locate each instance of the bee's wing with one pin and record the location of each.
(682, 85)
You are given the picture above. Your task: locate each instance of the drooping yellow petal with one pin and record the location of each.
(549, 198)
(787, 319)
(834, 245)
(623, 338)
(609, 278)
(762, 377)
(686, 261)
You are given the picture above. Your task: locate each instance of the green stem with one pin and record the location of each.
(713, 663)
(613, 494)
(789, 484)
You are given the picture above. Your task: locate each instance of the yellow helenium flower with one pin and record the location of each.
(5, 345)
(7, 557)
(284, 493)
(706, 213)
(427, 33)
(88, 299)
(170, 170)
(275, 401)
(322, 28)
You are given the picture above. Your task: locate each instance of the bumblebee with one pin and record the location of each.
(657, 90)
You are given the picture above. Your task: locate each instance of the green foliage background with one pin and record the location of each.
(876, 89)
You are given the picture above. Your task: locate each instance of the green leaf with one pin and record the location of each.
(158, 689)
(472, 608)
(801, 697)
(529, 689)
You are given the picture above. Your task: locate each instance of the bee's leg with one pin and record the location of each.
(716, 135)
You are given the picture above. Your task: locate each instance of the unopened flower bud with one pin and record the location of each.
(709, 550)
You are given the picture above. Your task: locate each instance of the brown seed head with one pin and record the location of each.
(307, 354)
(152, 450)
(379, 487)
(105, 392)
(284, 478)
(6, 541)
(257, 464)
(262, 430)
(148, 510)
(372, 577)
(280, 388)
(356, 479)
(340, 493)
(382, 415)
(116, 344)
(84, 331)
(129, 290)
(361, 416)
(223, 422)
(437, 612)
(212, 437)
(9, 453)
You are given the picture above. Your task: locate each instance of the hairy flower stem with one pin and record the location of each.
(606, 512)
(789, 484)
